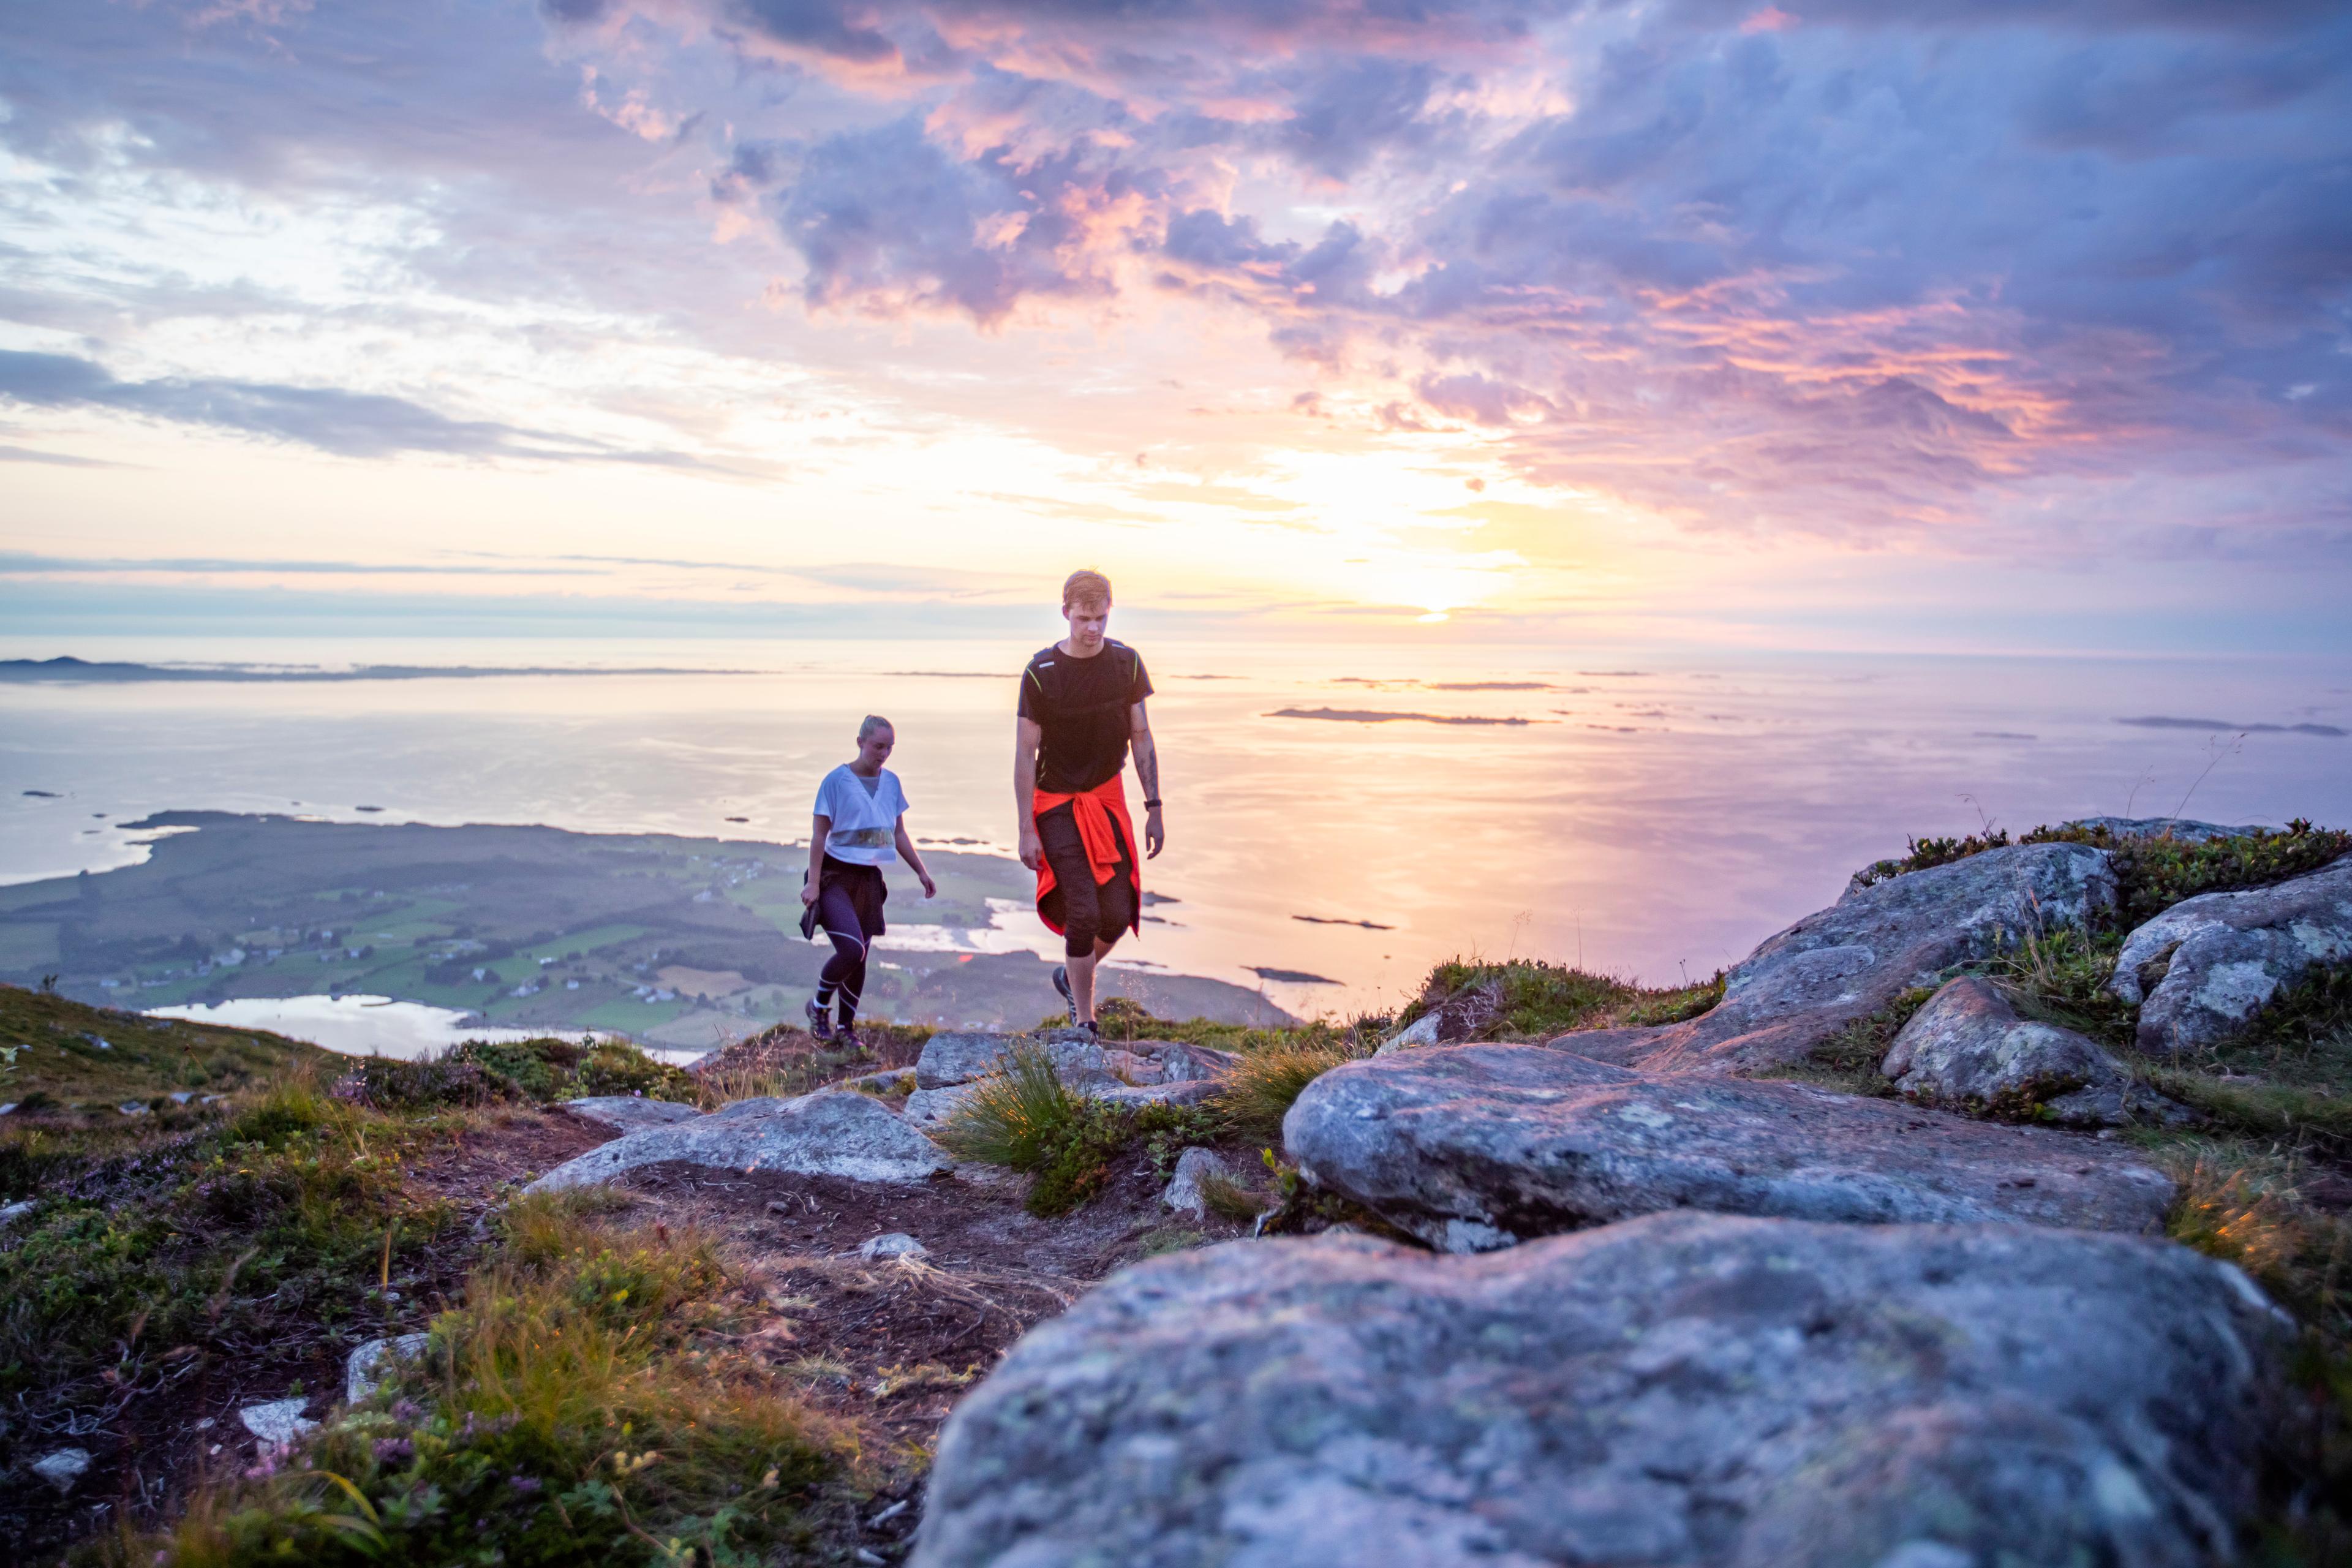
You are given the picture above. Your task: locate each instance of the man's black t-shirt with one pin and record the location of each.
(1082, 706)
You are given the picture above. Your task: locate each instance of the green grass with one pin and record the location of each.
(49, 1046)
(1848, 1060)
(255, 1233)
(1026, 1119)
(2242, 1201)
(584, 1404)
(1529, 999)
(1264, 1082)
(550, 1068)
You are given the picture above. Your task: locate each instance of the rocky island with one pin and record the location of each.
(1994, 1214)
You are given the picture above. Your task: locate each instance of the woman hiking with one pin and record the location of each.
(860, 827)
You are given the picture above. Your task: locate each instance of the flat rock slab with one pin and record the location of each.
(1855, 957)
(1680, 1389)
(929, 1107)
(628, 1113)
(832, 1132)
(957, 1056)
(2203, 969)
(1969, 1049)
(1472, 1147)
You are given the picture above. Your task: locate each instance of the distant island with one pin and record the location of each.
(67, 667)
(672, 940)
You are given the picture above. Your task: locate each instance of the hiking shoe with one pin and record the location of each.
(846, 1035)
(1062, 984)
(820, 1018)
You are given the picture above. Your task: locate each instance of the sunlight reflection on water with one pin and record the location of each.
(1653, 815)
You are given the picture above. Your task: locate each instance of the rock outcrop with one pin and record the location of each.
(1681, 1390)
(832, 1132)
(1853, 958)
(2203, 969)
(1472, 1147)
(1156, 1072)
(1967, 1049)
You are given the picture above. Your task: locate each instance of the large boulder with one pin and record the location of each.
(1967, 1049)
(961, 1056)
(2202, 969)
(832, 1132)
(1855, 957)
(1681, 1390)
(1471, 1147)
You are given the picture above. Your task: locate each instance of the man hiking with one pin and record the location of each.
(1081, 709)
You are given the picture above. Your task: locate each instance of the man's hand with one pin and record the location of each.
(930, 889)
(1033, 848)
(1155, 834)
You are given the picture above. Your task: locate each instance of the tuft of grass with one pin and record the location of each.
(1529, 999)
(2060, 977)
(582, 1404)
(1848, 1060)
(2241, 1202)
(1026, 1119)
(552, 1069)
(1230, 1199)
(1264, 1082)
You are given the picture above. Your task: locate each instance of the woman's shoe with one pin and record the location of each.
(1062, 984)
(820, 1018)
(846, 1037)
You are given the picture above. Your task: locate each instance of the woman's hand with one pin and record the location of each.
(930, 889)
(1033, 848)
(808, 893)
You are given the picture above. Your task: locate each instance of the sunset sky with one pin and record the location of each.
(1955, 325)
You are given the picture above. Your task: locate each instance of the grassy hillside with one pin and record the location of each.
(55, 1050)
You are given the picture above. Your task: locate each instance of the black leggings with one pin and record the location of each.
(1087, 909)
(849, 908)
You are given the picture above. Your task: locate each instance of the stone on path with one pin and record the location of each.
(1679, 1390)
(61, 1467)
(832, 1132)
(1184, 1194)
(1853, 959)
(1967, 1049)
(2203, 969)
(891, 1243)
(277, 1421)
(628, 1113)
(368, 1365)
(1471, 1147)
(955, 1057)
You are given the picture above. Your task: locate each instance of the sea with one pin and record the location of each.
(1341, 816)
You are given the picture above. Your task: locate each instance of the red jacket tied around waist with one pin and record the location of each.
(1096, 811)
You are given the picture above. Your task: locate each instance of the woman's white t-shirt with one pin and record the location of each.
(865, 825)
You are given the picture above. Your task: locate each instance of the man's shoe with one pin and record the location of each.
(820, 1018)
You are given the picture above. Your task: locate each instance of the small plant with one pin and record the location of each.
(1026, 1120)
(576, 1408)
(1264, 1082)
(1848, 1060)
